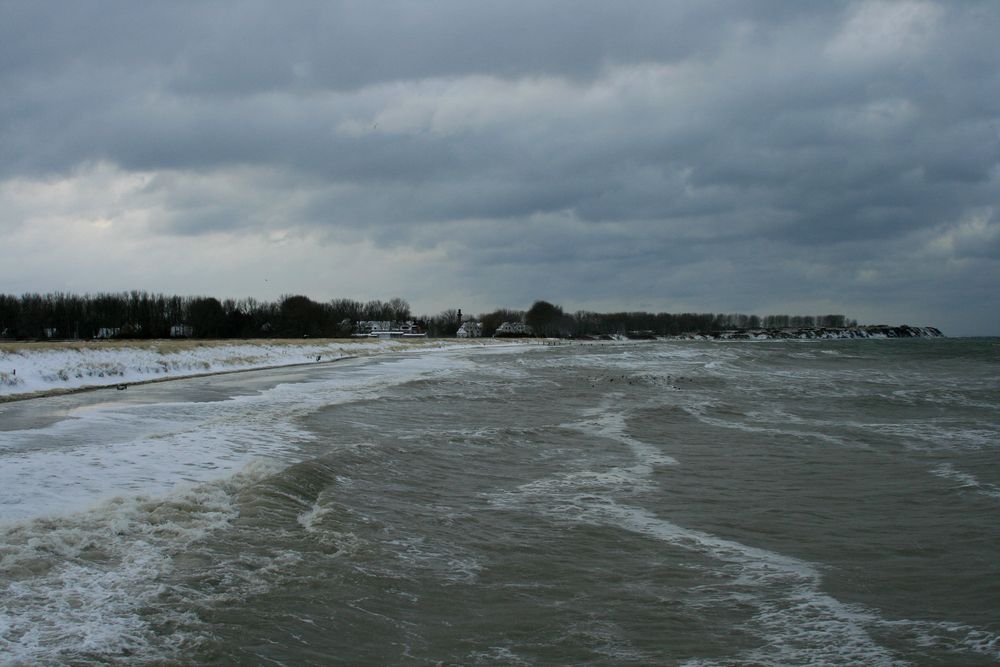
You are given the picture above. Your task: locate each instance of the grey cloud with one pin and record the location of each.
(625, 143)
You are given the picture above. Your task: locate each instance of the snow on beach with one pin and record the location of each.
(34, 368)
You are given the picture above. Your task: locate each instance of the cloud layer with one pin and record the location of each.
(710, 156)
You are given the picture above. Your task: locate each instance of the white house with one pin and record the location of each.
(386, 329)
(513, 329)
(470, 330)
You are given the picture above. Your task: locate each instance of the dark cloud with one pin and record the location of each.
(797, 151)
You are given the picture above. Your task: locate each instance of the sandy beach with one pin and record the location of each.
(37, 369)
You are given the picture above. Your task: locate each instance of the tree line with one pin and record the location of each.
(139, 314)
(547, 319)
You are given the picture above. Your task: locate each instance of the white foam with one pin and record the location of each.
(928, 435)
(96, 453)
(500, 655)
(967, 480)
(91, 584)
(953, 637)
(313, 517)
(88, 584)
(700, 411)
(607, 421)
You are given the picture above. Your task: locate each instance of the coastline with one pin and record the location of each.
(38, 370)
(863, 332)
(42, 369)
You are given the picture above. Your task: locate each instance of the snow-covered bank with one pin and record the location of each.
(39, 368)
(820, 333)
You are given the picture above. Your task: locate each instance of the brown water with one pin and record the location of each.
(663, 503)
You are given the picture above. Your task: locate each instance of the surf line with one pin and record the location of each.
(57, 391)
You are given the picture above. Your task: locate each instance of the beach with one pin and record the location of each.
(30, 370)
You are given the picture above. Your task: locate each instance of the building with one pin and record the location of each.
(470, 330)
(386, 329)
(513, 329)
(181, 331)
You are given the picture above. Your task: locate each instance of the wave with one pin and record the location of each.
(793, 618)
(967, 481)
(95, 586)
(111, 449)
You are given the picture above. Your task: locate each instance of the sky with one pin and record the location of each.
(756, 157)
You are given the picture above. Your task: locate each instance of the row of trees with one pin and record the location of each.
(547, 319)
(143, 315)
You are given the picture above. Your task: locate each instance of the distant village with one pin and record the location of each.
(415, 329)
(141, 315)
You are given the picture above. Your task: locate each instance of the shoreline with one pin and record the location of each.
(72, 367)
(66, 391)
(47, 365)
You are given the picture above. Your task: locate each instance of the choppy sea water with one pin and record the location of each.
(689, 503)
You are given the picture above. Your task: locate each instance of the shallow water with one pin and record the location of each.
(659, 503)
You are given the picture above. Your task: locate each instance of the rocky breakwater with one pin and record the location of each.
(821, 333)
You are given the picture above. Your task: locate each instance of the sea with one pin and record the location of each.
(602, 503)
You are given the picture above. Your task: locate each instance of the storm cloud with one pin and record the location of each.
(710, 156)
